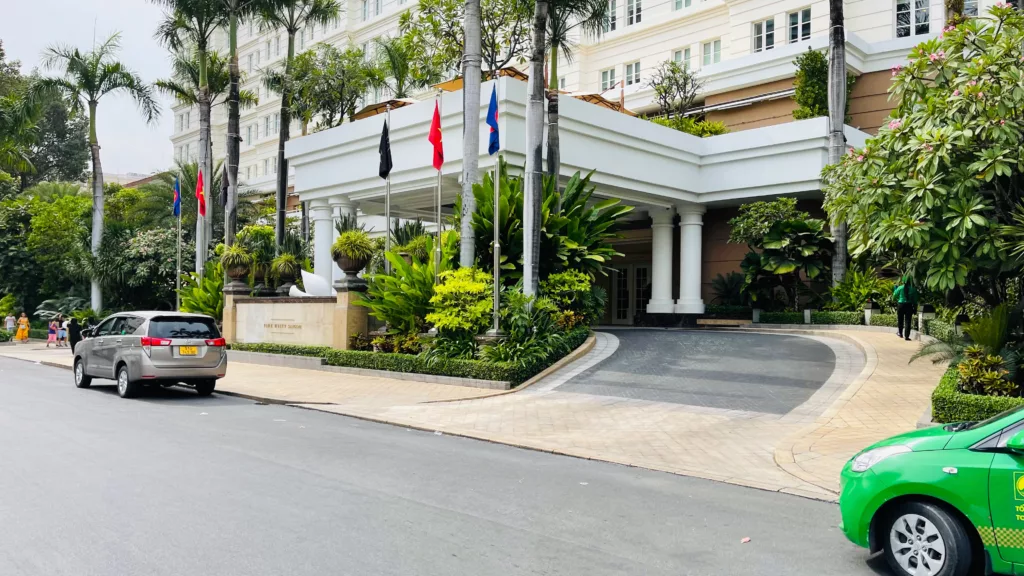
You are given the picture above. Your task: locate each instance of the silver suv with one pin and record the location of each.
(165, 348)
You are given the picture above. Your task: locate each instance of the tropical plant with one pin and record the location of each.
(204, 295)
(402, 299)
(791, 251)
(756, 218)
(285, 267)
(531, 333)
(937, 183)
(50, 309)
(416, 248)
(811, 86)
(235, 256)
(291, 16)
(728, 289)
(461, 301)
(699, 128)
(402, 233)
(60, 147)
(450, 346)
(858, 288)
(354, 244)
(399, 73)
(258, 241)
(577, 237)
(85, 78)
(983, 373)
(346, 222)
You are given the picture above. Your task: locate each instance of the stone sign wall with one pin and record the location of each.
(305, 321)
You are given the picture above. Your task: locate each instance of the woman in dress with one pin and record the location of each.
(74, 333)
(51, 332)
(23, 326)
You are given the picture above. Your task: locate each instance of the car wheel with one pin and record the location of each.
(205, 387)
(924, 539)
(82, 380)
(125, 387)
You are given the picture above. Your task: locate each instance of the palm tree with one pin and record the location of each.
(397, 74)
(837, 117)
(184, 83)
(565, 16)
(534, 185)
(190, 25)
(292, 16)
(470, 130)
(85, 78)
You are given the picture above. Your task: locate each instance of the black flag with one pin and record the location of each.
(385, 153)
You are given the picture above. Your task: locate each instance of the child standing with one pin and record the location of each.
(51, 333)
(62, 332)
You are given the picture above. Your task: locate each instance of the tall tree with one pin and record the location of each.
(836, 120)
(470, 130)
(292, 16)
(19, 111)
(401, 73)
(189, 25)
(533, 191)
(85, 78)
(588, 16)
(60, 148)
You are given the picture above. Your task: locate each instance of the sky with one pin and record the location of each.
(128, 143)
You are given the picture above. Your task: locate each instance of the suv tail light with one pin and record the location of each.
(148, 342)
(215, 342)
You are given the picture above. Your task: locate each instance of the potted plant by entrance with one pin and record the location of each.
(352, 251)
(236, 261)
(285, 268)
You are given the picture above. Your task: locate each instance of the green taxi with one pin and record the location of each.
(942, 501)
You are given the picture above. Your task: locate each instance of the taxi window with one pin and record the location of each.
(131, 325)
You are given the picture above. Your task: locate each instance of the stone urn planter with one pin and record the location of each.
(238, 272)
(350, 266)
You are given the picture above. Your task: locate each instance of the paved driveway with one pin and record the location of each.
(727, 370)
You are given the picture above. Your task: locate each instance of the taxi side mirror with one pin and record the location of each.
(1016, 442)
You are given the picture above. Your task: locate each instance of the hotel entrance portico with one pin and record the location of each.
(674, 180)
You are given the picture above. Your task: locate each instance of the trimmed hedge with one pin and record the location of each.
(37, 333)
(412, 364)
(728, 312)
(846, 318)
(939, 329)
(782, 318)
(884, 320)
(951, 405)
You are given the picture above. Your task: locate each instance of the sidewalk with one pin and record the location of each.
(799, 453)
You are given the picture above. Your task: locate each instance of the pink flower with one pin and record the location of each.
(1002, 122)
(895, 124)
(896, 69)
(981, 94)
(972, 83)
(1001, 4)
(956, 92)
(860, 158)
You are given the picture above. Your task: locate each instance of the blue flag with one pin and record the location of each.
(177, 198)
(492, 121)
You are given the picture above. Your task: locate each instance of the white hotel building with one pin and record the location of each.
(684, 188)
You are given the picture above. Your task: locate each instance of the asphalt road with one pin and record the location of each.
(771, 373)
(174, 484)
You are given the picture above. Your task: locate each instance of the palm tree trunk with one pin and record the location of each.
(470, 132)
(534, 189)
(231, 170)
(553, 152)
(204, 225)
(837, 118)
(281, 197)
(96, 291)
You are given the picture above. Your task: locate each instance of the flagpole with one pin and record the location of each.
(387, 200)
(495, 224)
(437, 246)
(177, 277)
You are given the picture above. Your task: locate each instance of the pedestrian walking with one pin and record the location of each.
(74, 333)
(51, 332)
(10, 322)
(905, 296)
(23, 326)
(62, 331)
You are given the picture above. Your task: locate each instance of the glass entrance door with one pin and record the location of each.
(631, 290)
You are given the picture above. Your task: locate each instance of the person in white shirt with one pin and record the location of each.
(10, 322)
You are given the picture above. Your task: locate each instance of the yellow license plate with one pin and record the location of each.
(187, 351)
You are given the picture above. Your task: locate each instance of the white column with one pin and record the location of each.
(320, 213)
(661, 262)
(341, 206)
(691, 220)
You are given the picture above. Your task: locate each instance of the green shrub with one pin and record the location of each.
(949, 404)
(578, 300)
(462, 301)
(850, 318)
(889, 320)
(407, 363)
(782, 318)
(983, 373)
(37, 333)
(728, 312)
(6, 336)
(699, 128)
(938, 328)
(728, 289)
(7, 303)
(354, 244)
(417, 248)
(859, 287)
(206, 295)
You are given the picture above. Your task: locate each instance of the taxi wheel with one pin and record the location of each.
(923, 539)
(81, 379)
(125, 387)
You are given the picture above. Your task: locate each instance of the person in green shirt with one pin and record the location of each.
(905, 296)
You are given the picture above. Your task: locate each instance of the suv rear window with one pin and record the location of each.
(183, 328)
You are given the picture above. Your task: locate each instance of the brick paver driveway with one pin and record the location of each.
(767, 373)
